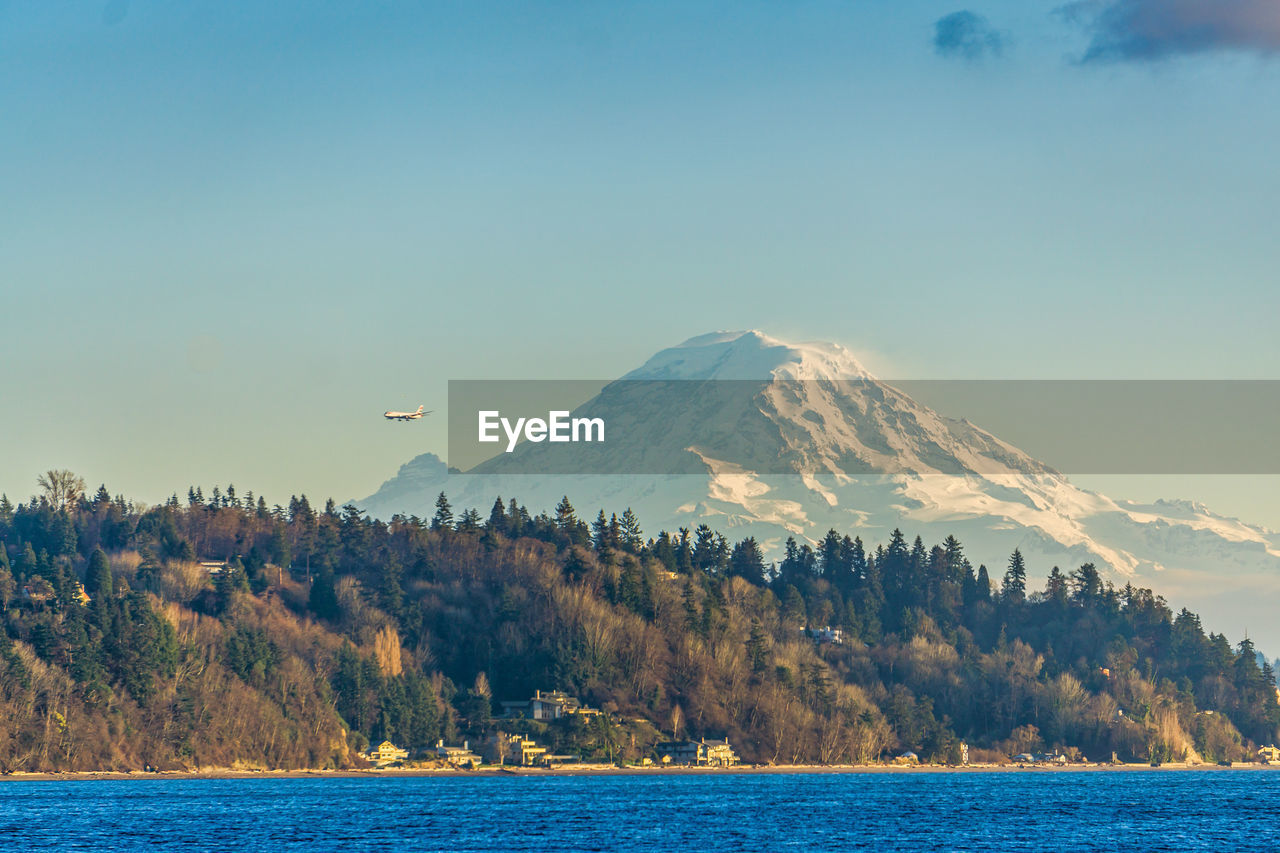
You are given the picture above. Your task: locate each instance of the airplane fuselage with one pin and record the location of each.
(405, 416)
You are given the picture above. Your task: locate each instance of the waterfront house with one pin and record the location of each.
(506, 748)
(461, 756)
(384, 754)
(1269, 754)
(697, 753)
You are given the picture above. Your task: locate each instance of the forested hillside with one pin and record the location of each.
(328, 629)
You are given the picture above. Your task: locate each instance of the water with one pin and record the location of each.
(1209, 810)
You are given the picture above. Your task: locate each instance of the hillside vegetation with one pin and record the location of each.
(328, 630)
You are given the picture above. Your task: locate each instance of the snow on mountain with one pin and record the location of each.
(750, 355)
(816, 442)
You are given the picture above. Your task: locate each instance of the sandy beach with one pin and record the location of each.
(609, 770)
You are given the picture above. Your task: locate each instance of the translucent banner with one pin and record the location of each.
(865, 426)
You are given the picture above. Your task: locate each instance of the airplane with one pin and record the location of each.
(405, 416)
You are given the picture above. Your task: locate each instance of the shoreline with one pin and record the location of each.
(601, 770)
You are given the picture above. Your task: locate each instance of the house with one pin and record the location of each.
(38, 593)
(384, 754)
(504, 748)
(1041, 758)
(1269, 754)
(462, 756)
(547, 705)
(719, 753)
(827, 634)
(214, 567)
(552, 705)
(697, 753)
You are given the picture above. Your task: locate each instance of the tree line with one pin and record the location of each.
(321, 629)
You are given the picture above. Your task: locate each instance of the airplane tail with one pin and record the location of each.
(420, 408)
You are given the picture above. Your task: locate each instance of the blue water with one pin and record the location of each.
(1181, 811)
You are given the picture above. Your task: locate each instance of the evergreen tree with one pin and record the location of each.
(97, 576)
(498, 517)
(857, 560)
(631, 533)
(663, 550)
(517, 519)
(391, 594)
(831, 560)
(704, 550)
(565, 516)
(684, 552)
(443, 519)
(280, 552)
(896, 576)
(969, 587)
(793, 608)
(26, 563)
(600, 536)
(7, 584)
(323, 598)
(757, 648)
(1086, 584)
(747, 561)
(1013, 589)
(570, 530)
(1055, 589)
(469, 522)
(231, 579)
(983, 589)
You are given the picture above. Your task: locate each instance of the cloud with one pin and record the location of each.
(1125, 30)
(967, 35)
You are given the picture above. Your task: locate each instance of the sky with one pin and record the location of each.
(232, 234)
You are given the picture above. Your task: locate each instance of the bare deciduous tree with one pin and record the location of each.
(61, 487)
(386, 650)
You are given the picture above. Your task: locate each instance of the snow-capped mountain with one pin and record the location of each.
(805, 439)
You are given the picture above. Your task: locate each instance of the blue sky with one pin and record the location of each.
(233, 233)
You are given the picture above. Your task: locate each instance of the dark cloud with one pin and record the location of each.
(1157, 29)
(967, 35)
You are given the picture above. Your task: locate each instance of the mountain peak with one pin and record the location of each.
(750, 354)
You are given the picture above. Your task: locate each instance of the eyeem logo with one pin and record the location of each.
(557, 427)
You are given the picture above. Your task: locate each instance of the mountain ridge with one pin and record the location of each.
(858, 453)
